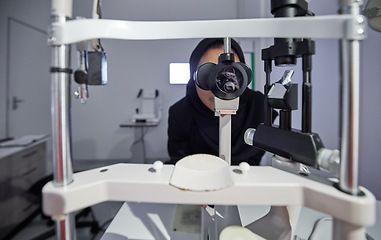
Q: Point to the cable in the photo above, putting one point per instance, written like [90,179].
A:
[317,225]
[97,13]
[324,219]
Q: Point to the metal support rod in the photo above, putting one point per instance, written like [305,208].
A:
[307,94]
[61,117]
[227,45]
[224,109]
[349,118]
[225,137]
[285,119]
[65,228]
[60,110]
[268,109]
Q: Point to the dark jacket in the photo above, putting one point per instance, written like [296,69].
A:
[193,128]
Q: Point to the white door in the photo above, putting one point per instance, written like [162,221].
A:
[29,80]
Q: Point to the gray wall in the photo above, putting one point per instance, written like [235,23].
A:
[133,65]
[34,13]
[138,64]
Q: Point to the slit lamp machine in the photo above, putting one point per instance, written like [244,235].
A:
[284,187]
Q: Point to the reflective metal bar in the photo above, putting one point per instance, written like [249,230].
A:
[227,45]
[60,110]
[65,228]
[225,138]
[285,119]
[268,109]
[307,95]
[349,118]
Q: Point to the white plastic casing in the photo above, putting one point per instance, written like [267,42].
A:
[201,172]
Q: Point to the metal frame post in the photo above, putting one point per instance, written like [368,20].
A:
[225,137]
[60,110]
[350,98]
[349,120]
[307,94]
[227,45]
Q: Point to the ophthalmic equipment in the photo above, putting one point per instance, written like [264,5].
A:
[351,206]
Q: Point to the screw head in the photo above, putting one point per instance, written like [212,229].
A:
[360,31]
[360,19]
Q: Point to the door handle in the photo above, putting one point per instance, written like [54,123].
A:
[15,102]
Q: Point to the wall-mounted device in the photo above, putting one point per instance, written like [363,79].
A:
[149,109]
[92,68]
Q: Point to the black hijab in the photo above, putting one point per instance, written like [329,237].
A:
[193,127]
[209,43]
[197,54]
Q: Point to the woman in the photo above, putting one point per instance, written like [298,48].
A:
[192,125]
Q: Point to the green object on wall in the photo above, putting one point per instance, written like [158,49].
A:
[253,72]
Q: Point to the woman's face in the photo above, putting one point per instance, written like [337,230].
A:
[207,97]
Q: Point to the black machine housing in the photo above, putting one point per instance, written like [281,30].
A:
[298,145]
[227,79]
